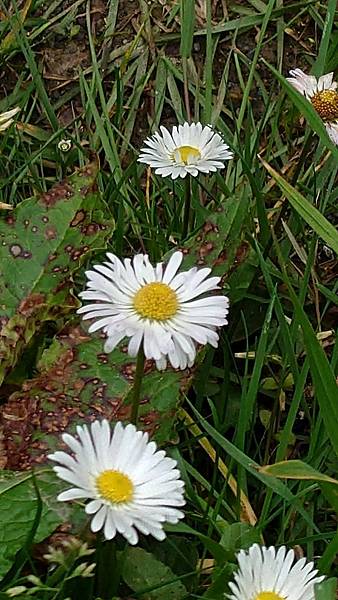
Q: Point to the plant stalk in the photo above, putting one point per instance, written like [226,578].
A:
[187,202]
[137,386]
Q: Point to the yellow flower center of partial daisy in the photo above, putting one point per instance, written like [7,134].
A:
[326,104]
[156,301]
[268,596]
[186,155]
[114,486]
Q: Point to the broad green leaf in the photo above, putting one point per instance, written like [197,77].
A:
[239,536]
[326,590]
[307,211]
[150,578]
[77,380]
[18,506]
[219,586]
[42,243]
[177,552]
[180,554]
[296,469]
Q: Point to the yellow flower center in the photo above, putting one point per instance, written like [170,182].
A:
[186,155]
[326,104]
[114,486]
[268,596]
[156,301]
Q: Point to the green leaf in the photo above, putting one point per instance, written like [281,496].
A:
[307,211]
[326,590]
[180,554]
[18,507]
[150,578]
[239,536]
[43,241]
[219,585]
[78,381]
[296,469]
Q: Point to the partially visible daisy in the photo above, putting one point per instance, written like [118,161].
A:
[6,118]
[158,307]
[265,574]
[323,95]
[130,484]
[64,145]
[188,149]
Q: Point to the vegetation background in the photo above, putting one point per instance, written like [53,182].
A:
[105,74]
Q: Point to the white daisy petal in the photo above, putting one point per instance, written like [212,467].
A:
[332,131]
[172,267]
[130,484]
[99,519]
[162,309]
[72,494]
[6,118]
[265,574]
[188,149]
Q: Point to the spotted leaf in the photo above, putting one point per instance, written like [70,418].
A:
[42,243]
[78,382]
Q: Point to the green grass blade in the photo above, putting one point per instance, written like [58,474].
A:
[187,27]
[319,66]
[307,211]
[296,469]
[322,375]
[251,466]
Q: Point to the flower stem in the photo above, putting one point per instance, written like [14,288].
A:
[187,199]
[137,386]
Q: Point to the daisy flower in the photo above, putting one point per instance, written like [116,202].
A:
[130,484]
[6,118]
[188,149]
[323,95]
[165,310]
[265,574]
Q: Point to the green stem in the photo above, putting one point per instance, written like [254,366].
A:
[107,571]
[137,386]
[187,199]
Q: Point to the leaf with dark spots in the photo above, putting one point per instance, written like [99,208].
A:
[78,382]
[42,243]
[217,243]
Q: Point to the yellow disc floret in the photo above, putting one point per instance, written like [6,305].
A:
[326,104]
[156,301]
[188,155]
[114,486]
[268,596]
